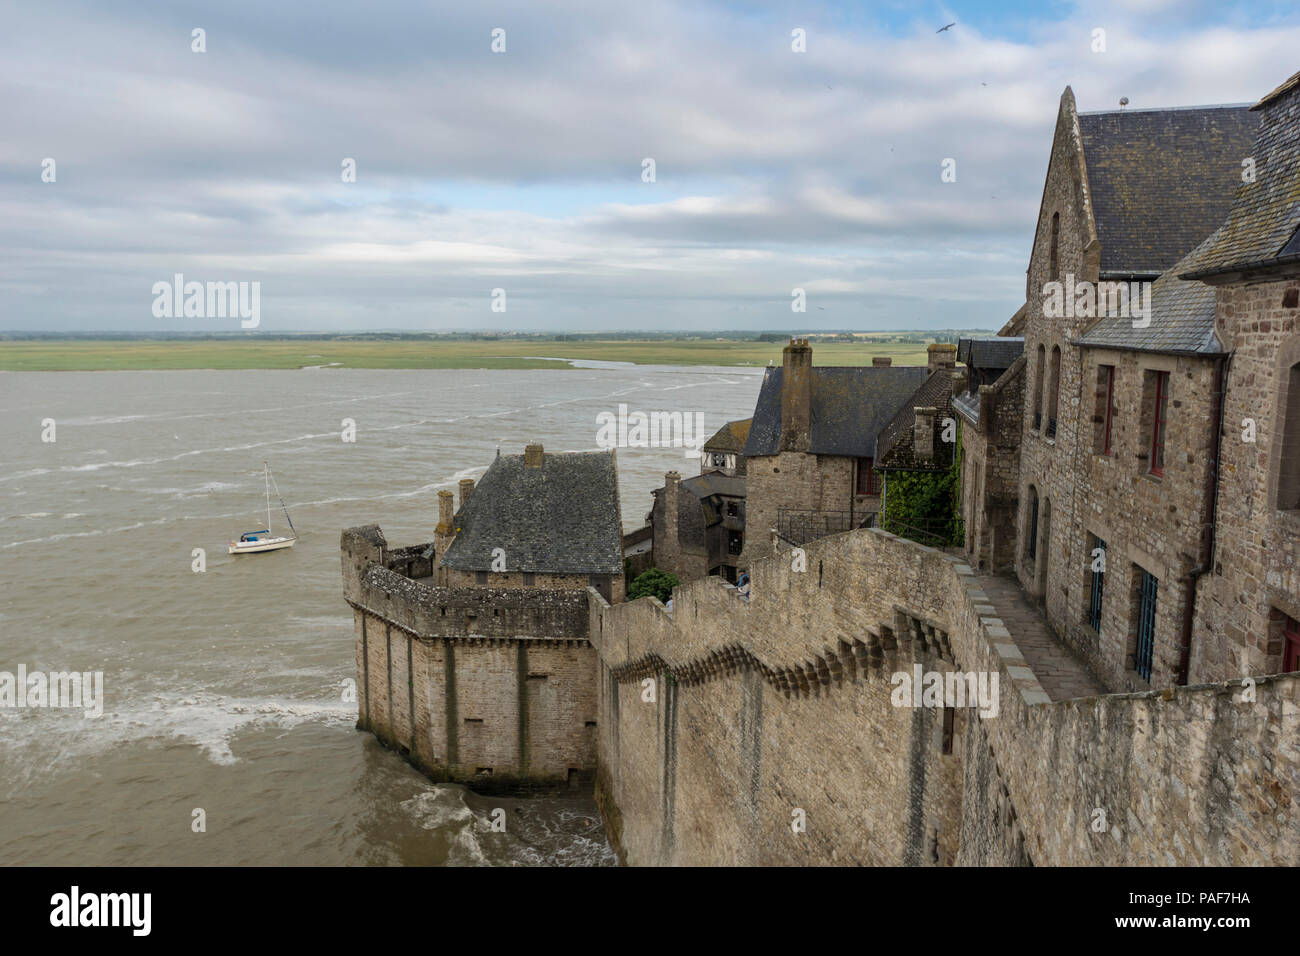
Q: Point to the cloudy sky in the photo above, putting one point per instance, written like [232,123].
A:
[523,170]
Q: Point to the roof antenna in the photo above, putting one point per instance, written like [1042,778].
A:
[1123,102]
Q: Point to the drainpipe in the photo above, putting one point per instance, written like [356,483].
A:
[1206,558]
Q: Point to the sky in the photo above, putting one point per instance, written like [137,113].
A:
[775,169]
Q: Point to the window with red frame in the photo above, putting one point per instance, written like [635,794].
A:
[1158,424]
[868,477]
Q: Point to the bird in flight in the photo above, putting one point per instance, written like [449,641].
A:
[948,27]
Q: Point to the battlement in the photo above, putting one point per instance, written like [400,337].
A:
[493,687]
[788,697]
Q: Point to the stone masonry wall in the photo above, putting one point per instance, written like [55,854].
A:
[493,687]
[795,480]
[782,703]
[1256,573]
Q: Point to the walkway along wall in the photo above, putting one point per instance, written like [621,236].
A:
[726,723]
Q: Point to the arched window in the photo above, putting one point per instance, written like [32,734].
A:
[1288,469]
[1038,388]
[1031,526]
[1054,391]
[1054,259]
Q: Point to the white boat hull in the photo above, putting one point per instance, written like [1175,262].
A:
[265,544]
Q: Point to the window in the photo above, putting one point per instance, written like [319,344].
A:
[1031,549]
[1038,388]
[1055,393]
[1291,646]
[1148,586]
[530,578]
[735,542]
[1158,423]
[1104,418]
[1097,575]
[1053,255]
[868,477]
[1288,475]
[949,713]
[480,577]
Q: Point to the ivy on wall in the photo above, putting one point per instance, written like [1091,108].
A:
[925,506]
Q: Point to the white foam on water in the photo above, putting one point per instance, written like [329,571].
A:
[208,721]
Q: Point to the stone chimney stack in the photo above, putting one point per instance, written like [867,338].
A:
[987,406]
[923,432]
[672,480]
[941,355]
[533,456]
[466,491]
[445,513]
[796,396]
[881,361]
[443,535]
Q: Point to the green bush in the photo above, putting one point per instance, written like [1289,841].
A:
[926,506]
[654,582]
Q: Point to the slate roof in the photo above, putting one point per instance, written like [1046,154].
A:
[562,518]
[1261,228]
[896,448]
[1182,319]
[1162,180]
[702,486]
[850,405]
[990,353]
[730,437]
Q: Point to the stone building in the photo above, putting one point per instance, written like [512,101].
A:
[1142,710]
[1248,598]
[725,451]
[1119,457]
[490,686]
[811,449]
[536,520]
[699,525]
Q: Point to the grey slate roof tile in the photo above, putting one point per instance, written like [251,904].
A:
[896,448]
[1182,320]
[1263,221]
[850,405]
[1162,180]
[562,518]
[991,353]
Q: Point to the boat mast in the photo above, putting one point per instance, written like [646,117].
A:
[267,475]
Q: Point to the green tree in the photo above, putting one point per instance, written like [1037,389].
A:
[654,582]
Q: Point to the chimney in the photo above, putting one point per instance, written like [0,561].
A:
[923,432]
[796,396]
[533,456]
[445,516]
[941,355]
[881,361]
[443,536]
[466,490]
[986,409]
[671,480]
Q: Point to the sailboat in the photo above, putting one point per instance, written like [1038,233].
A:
[252,542]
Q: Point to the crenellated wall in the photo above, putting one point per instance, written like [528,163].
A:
[765,707]
[494,687]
